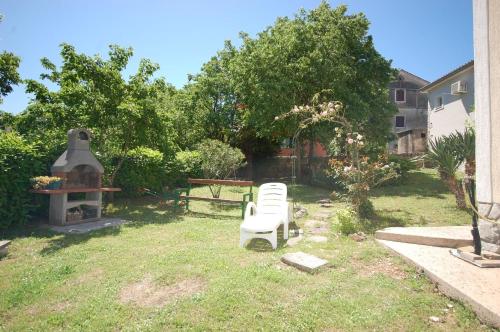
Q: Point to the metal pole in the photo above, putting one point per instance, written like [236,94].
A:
[470,185]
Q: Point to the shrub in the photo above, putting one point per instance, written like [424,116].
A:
[19,162]
[402,166]
[347,221]
[359,174]
[142,168]
[441,153]
[218,159]
[187,164]
[464,147]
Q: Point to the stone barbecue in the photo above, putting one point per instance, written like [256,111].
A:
[80,197]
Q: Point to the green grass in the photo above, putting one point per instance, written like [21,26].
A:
[73,282]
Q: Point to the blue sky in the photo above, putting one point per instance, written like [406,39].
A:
[426,37]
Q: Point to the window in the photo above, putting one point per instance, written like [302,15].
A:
[439,102]
[400,121]
[422,135]
[400,95]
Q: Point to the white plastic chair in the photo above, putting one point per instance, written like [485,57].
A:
[263,220]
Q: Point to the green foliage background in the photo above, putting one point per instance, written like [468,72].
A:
[19,161]
[141,125]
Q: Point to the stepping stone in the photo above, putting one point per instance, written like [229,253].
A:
[324,201]
[326,205]
[314,223]
[317,239]
[4,247]
[322,215]
[293,241]
[319,230]
[305,262]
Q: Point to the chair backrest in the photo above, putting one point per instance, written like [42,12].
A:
[271,198]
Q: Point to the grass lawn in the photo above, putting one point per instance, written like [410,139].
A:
[166,271]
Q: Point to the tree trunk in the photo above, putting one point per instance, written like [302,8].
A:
[249,157]
[457,190]
[298,153]
[470,167]
[111,195]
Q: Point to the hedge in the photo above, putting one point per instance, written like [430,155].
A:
[19,162]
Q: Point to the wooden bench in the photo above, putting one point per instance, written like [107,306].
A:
[184,194]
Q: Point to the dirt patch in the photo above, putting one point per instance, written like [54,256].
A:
[383,266]
[35,310]
[61,306]
[96,274]
[146,293]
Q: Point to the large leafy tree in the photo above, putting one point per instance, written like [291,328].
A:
[320,50]
[92,93]
[9,76]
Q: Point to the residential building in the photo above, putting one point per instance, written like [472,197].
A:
[409,125]
[451,101]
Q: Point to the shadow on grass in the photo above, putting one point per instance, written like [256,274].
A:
[383,219]
[138,212]
[62,241]
[144,211]
[262,245]
[307,194]
[419,184]
[206,215]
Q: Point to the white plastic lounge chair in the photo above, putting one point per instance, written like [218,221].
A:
[262,220]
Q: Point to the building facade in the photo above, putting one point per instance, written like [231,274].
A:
[451,102]
[409,125]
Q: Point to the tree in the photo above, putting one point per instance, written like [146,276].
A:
[93,94]
[321,50]
[218,161]
[9,63]
[241,90]
[464,147]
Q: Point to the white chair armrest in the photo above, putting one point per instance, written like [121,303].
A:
[250,210]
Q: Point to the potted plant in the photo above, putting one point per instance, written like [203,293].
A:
[46,182]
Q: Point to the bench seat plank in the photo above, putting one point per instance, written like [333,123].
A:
[222,182]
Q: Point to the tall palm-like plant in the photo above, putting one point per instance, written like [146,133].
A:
[441,154]
[464,147]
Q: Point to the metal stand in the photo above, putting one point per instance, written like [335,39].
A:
[470,186]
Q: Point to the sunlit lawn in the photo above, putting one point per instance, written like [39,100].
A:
[77,282]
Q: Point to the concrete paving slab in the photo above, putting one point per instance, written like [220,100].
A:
[293,241]
[88,226]
[480,288]
[448,236]
[317,239]
[4,247]
[304,262]
[321,215]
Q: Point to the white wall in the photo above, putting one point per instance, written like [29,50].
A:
[457,110]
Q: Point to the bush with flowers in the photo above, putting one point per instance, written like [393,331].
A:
[355,170]
[359,173]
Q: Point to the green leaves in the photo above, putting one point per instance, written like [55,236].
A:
[219,160]
[463,146]
[18,163]
[9,63]
[289,62]
[441,154]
